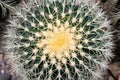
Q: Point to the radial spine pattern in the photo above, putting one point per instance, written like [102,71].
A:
[59,40]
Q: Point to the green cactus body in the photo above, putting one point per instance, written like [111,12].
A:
[59,40]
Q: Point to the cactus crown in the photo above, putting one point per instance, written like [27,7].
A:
[59,40]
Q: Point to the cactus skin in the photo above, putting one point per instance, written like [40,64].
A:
[59,40]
